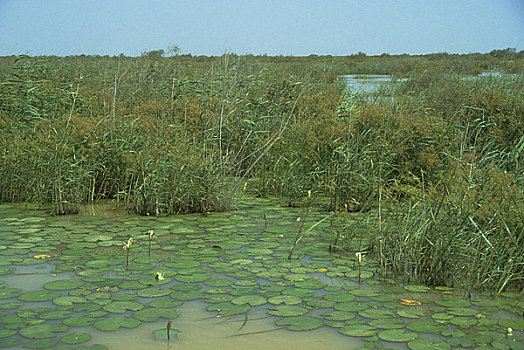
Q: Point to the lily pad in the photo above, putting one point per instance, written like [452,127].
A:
[427,344]
[287,310]
[397,335]
[42,331]
[73,338]
[286,299]
[253,300]
[38,295]
[7,293]
[194,278]
[300,323]
[79,321]
[114,323]
[121,307]
[359,330]
[426,326]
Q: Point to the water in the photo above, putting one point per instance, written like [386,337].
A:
[369,83]
[223,261]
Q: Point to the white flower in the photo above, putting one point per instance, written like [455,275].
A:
[128,244]
[151,233]
[159,276]
[359,256]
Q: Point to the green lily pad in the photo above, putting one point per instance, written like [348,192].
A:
[453,302]
[183,264]
[79,321]
[427,344]
[41,344]
[350,306]
[194,278]
[73,338]
[114,323]
[287,310]
[68,300]
[42,331]
[397,335]
[38,295]
[338,315]
[253,300]
[388,323]
[286,299]
[358,330]
[121,307]
[300,323]
[7,293]
[339,297]
[514,324]
[55,315]
[426,326]
[63,285]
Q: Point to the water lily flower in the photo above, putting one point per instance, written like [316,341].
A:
[127,245]
[510,332]
[359,256]
[159,276]
[151,233]
[309,194]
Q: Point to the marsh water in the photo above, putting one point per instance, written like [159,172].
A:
[223,281]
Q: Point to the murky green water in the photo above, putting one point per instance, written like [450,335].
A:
[225,283]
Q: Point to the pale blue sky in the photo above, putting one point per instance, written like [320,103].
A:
[273,27]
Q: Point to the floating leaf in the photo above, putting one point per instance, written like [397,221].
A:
[426,326]
[359,330]
[253,300]
[121,307]
[115,322]
[73,338]
[410,302]
[153,292]
[194,278]
[397,335]
[287,310]
[417,288]
[427,344]
[38,295]
[42,331]
[7,293]
[286,299]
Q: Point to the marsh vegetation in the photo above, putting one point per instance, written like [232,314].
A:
[427,177]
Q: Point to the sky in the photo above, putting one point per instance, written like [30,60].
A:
[272,27]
